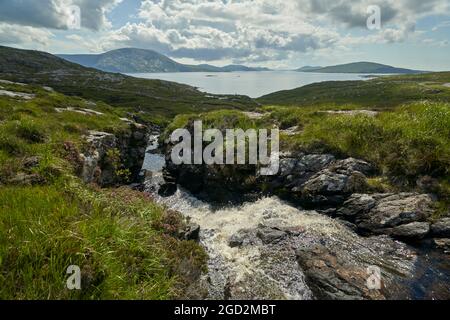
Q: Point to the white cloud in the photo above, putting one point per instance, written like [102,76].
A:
[207,30]
[56,14]
[265,30]
[269,31]
[25,36]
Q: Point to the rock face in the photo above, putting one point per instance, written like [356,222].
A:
[335,187]
[335,264]
[312,180]
[413,230]
[24,179]
[331,277]
[106,154]
[270,235]
[99,143]
[441,228]
[443,244]
[345,272]
[397,214]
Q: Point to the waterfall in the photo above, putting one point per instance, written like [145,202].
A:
[258,270]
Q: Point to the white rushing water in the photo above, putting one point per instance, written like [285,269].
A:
[218,225]
[258,270]
[242,264]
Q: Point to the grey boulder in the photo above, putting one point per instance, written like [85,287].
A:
[412,231]
[441,228]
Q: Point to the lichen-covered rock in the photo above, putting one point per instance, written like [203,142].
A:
[410,231]
[343,271]
[334,278]
[394,210]
[328,188]
[106,155]
[350,165]
[287,165]
[328,182]
[314,162]
[443,244]
[441,228]
[98,145]
[241,238]
[357,204]
[270,235]
[24,179]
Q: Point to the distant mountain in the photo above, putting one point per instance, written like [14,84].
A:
[132,60]
[308,69]
[229,68]
[360,67]
[155,99]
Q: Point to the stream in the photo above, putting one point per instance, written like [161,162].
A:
[267,233]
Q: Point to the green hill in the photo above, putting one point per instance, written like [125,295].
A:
[360,67]
[132,60]
[378,93]
[308,69]
[151,98]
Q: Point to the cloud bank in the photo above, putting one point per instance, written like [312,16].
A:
[237,30]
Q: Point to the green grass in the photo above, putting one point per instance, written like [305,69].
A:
[379,93]
[410,141]
[153,101]
[113,235]
[220,119]
[126,245]
[409,138]
[35,128]
[405,143]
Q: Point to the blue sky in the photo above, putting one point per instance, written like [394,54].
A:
[280,34]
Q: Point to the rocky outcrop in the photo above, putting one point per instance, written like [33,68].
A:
[312,180]
[410,231]
[27,175]
[24,179]
[441,228]
[98,144]
[332,277]
[336,187]
[17,95]
[401,215]
[270,235]
[110,159]
[348,272]
[334,263]
[443,244]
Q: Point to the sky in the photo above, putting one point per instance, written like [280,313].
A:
[279,34]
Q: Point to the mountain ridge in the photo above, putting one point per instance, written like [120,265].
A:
[360,67]
[135,60]
[157,99]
